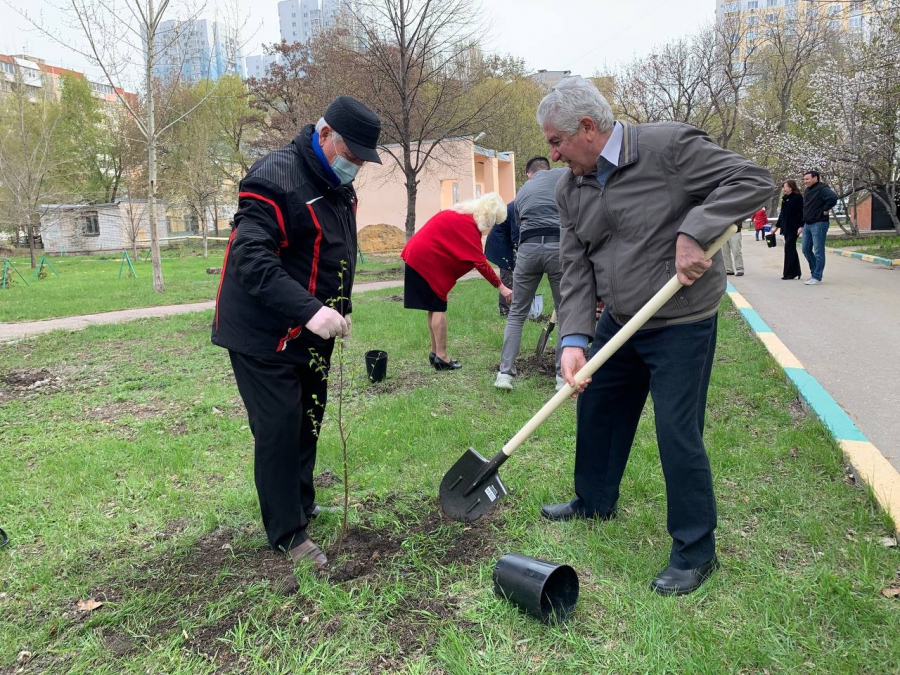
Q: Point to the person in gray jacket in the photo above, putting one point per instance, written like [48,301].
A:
[639,204]
[538,254]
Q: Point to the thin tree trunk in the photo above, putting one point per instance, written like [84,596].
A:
[203,230]
[158,284]
[31,251]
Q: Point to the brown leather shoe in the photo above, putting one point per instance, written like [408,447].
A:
[308,551]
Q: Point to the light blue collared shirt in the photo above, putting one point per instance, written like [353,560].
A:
[610,153]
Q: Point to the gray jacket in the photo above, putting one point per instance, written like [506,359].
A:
[617,242]
[536,211]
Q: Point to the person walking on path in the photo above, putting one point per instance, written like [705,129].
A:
[538,254]
[622,239]
[733,253]
[790,223]
[760,220]
[499,248]
[818,200]
[283,298]
[447,247]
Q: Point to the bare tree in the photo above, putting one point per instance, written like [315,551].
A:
[30,159]
[123,35]
[416,62]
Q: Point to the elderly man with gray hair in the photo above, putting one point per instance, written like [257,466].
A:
[639,204]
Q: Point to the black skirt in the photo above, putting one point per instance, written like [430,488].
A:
[417,294]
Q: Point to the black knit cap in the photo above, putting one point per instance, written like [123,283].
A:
[357,125]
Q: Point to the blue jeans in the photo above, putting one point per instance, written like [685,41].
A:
[814,247]
[673,365]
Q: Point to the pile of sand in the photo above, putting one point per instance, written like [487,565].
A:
[381,237]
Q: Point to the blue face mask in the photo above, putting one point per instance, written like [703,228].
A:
[344,169]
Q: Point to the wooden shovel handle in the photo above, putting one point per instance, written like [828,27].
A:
[633,326]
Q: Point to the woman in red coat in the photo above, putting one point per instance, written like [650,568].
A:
[759,223]
[447,247]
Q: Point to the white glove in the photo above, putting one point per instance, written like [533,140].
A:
[327,324]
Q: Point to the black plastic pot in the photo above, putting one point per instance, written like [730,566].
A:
[543,589]
[376,365]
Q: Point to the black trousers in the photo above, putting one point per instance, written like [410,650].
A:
[672,364]
[791,259]
[285,403]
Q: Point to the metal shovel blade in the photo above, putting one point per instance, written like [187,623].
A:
[471,487]
[545,335]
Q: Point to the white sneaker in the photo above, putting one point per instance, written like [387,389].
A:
[503,382]
[812,281]
[560,383]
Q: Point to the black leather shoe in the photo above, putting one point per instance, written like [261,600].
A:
[568,512]
[431,358]
[730,274]
[440,364]
[672,581]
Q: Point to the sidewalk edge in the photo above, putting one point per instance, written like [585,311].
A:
[865,257]
[868,463]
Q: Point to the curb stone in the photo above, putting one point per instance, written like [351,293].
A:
[867,462]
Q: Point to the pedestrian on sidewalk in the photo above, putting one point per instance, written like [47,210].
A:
[622,238]
[284,297]
[499,248]
[759,224]
[818,200]
[790,223]
[538,254]
[447,247]
[733,254]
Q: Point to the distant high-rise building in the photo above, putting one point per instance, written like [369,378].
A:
[300,20]
[762,17]
[41,79]
[258,65]
[196,50]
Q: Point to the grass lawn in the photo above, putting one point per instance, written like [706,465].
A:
[887,246]
[89,284]
[127,467]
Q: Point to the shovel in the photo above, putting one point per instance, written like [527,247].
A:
[545,334]
[472,486]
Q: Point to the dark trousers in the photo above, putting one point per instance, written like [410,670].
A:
[791,259]
[506,277]
[285,403]
[672,364]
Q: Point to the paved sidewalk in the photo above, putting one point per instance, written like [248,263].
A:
[845,332]
[9,332]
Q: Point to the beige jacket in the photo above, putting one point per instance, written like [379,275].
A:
[617,242]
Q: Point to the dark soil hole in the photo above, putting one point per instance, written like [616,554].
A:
[528,363]
[370,550]
[326,479]
[28,383]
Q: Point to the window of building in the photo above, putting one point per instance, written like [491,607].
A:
[89,224]
[790,15]
[752,20]
[856,22]
[773,3]
[190,223]
[771,18]
[8,67]
[834,9]
[791,2]
[752,4]
[751,35]
[732,7]
[834,25]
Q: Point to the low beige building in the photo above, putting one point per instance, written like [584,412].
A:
[457,170]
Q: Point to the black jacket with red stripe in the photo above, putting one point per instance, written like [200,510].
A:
[293,232]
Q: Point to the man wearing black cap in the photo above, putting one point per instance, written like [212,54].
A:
[284,296]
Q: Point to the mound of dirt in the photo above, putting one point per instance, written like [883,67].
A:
[381,237]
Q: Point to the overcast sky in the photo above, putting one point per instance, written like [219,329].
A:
[583,36]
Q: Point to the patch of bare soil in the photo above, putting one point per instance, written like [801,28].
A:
[394,298]
[326,479]
[381,237]
[368,550]
[27,383]
[527,363]
[379,275]
[207,571]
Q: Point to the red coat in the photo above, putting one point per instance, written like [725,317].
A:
[447,247]
[759,219]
